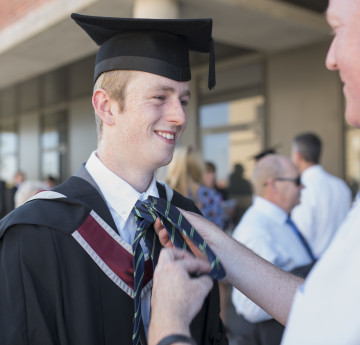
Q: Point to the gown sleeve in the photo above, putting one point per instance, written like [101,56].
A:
[29,288]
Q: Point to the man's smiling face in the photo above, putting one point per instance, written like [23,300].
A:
[153,120]
[343,17]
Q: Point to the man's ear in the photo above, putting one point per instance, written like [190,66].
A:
[298,157]
[103,106]
[270,184]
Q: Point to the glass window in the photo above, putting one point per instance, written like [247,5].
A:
[232,132]
[53,145]
[9,141]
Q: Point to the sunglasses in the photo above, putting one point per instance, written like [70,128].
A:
[296,180]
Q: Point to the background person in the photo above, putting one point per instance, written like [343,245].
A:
[27,190]
[266,229]
[2,198]
[11,190]
[325,200]
[185,175]
[239,189]
[210,180]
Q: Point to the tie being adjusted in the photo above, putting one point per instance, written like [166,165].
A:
[301,238]
[180,233]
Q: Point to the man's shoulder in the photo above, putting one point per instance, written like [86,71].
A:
[48,209]
[253,223]
[325,179]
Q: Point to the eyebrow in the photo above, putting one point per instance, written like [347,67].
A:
[186,93]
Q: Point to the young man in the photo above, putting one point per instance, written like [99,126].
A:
[67,272]
[325,309]
[325,200]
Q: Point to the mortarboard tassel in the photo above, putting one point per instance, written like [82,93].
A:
[211,77]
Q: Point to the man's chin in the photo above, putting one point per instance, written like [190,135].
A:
[165,161]
[352,114]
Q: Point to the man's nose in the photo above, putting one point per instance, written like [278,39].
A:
[330,57]
[176,113]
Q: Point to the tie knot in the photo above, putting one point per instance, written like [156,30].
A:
[290,221]
[179,230]
[144,213]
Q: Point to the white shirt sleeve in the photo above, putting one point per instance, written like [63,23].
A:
[243,305]
[263,229]
[326,308]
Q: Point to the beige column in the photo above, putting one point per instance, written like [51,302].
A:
[160,9]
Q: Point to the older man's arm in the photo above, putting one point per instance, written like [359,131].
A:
[265,284]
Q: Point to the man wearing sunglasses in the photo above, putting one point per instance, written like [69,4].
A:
[266,229]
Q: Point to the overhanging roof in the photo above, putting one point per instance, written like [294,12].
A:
[48,38]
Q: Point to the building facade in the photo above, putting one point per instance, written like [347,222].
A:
[271,83]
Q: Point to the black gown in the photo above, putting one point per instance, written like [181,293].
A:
[52,292]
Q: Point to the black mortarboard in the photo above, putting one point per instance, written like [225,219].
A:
[159,46]
[265,152]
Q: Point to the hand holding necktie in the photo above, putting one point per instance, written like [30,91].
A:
[180,232]
[172,286]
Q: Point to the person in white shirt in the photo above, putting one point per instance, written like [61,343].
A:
[325,200]
[264,228]
[323,309]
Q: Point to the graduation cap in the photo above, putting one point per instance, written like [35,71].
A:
[265,152]
[159,46]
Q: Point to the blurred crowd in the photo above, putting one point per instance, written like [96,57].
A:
[287,212]
[16,192]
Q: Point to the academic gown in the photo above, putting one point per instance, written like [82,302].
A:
[52,292]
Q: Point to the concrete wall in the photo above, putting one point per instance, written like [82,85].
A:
[302,95]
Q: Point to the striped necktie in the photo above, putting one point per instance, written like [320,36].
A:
[301,238]
[180,233]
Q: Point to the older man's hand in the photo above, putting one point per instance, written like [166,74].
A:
[176,296]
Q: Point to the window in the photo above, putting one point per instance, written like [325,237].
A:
[232,132]
[9,142]
[53,145]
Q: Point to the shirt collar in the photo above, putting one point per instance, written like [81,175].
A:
[271,210]
[119,195]
[310,171]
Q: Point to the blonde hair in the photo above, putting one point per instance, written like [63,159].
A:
[114,83]
[185,172]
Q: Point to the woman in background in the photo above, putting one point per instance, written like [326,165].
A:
[185,174]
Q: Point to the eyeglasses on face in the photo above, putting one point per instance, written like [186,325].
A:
[296,180]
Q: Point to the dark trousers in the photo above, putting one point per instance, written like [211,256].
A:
[261,333]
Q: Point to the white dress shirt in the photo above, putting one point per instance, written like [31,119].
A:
[326,308]
[325,202]
[120,197]
[264,230]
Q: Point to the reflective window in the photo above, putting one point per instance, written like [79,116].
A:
[9,141]
[53,145]
[232,132]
